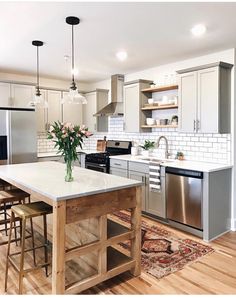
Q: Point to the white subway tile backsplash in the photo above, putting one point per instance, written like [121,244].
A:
[201,147]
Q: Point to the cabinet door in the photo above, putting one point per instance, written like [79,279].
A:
[155,203]
[72,112]
[131,108]
[208,100]
[89,110]
[141,177]
[54,106]
[119,172]
[5,94]
[41,115]
[187,102]
[22,95]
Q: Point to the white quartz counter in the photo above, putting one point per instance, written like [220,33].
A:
[54,153]
[47,178]
[183,164]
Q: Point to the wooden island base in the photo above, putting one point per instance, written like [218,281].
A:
[86,239]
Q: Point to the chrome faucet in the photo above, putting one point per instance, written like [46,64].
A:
[167,154]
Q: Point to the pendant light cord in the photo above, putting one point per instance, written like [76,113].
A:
[37,66]
[73,62]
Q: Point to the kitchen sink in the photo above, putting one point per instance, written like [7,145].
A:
[154,159]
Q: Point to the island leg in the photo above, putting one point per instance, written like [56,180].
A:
[58,251]
[136,226]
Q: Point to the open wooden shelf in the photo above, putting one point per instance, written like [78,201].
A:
[114,229]
[115,258]
[160,89]
[160,126]
[159,107]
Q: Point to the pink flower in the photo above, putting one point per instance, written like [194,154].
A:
[88,133]
[64,135]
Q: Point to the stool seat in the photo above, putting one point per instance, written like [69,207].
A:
[32,209]
[12,195]
[4,183]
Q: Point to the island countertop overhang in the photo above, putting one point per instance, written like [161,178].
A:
[47,179]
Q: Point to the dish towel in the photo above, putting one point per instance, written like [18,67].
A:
[154,177]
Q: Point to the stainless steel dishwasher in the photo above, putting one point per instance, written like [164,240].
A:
[184,196]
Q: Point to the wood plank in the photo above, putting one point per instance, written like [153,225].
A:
[160,89]
[136,226]
[58,255]
[158,107]
[99,204]
[102,257]
[160,126]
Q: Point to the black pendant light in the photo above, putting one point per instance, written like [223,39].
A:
[74,96]
[38,99]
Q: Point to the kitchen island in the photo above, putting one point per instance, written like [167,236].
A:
[91,195]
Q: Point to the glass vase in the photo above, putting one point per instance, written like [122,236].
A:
[69,177]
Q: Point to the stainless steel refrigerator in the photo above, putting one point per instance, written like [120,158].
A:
[18,136]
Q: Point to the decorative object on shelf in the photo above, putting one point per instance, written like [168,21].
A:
[67,138]
[152,85]
[180,155]
[74,97]
[38,99]
[147,147]
[174,120]
[150,121]
[163,121]
[150,101]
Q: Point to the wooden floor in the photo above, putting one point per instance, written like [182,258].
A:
[212,274]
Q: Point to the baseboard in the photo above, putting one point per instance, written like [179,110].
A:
[233,224]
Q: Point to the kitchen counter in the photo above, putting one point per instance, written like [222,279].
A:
[92,196]
[47,178]
[54,153]
[183,164]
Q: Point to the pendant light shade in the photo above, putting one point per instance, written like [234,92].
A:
[74,97]
[38,99]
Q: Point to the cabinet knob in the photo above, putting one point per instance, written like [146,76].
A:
[194,125]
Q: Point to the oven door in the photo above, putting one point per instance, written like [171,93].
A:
[96,167]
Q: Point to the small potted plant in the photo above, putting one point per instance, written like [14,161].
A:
[174,120]
[147,147]
[180,155]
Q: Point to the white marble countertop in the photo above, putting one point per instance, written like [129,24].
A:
[47,178]
[183,164]
[54,153]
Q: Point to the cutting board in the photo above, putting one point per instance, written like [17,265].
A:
[101,145]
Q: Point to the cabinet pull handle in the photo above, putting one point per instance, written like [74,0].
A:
[194,125]
[117,164]
[95,126]
[198,125]
[143,179]
[123,125]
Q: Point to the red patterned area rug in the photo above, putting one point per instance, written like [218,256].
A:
[162,251]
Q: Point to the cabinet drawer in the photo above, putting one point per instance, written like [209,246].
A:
[119,172]
[139,167]
[121,164]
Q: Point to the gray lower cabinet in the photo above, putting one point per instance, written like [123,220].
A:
[119,172]
[145,188]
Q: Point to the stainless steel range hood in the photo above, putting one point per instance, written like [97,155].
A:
[115,107]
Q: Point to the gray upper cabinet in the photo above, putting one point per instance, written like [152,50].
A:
[204,98]
[96,100]
[21,95]
[72,112]
[5,91]
[134,100]
[54,106]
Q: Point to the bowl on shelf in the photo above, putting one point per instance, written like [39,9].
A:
[150,121]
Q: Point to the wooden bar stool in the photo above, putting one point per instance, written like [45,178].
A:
[4,185]
[24,212]
[7,199]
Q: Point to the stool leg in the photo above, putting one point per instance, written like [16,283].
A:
[5,217]
[22,255]
[46,242]
[32,238]
[8,248]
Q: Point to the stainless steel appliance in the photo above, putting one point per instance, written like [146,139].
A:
[184,196]
[100,161]
[18,137]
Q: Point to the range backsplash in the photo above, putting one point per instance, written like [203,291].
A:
[198,147]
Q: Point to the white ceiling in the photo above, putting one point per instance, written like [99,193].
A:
[152,33]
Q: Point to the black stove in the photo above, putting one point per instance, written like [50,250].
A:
[100,161]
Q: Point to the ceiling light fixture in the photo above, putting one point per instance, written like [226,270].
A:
[38,99]
[198,30]
[122,55]
[74,96]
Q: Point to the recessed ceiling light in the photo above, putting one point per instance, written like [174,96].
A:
[122,55]
[198,30]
